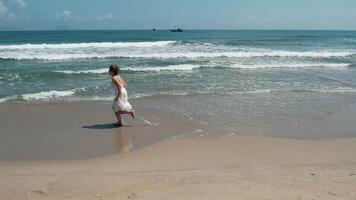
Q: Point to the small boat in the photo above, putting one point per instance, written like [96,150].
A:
[153,29]
[176,30]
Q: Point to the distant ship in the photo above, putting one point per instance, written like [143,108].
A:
[176,30]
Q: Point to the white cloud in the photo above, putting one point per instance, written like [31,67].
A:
[6,14]
[3,10]
[19,3]
[64,15]
[107,16]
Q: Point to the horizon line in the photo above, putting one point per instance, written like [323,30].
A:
[167,29]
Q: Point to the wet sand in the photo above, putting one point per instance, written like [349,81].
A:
[67,131]
[153,162]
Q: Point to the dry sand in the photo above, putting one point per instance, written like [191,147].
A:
[236,167]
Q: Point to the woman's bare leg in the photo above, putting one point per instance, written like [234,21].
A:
[118,116]
[132,113]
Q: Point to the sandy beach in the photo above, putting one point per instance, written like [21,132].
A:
[153,162]
[177,100]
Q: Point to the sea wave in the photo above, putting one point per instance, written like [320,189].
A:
[7,98]
[44,95]
[257,91]
[47,95]
[85,45]
[245,54]
[291,65]
[69,94]
[189,67]
[171,55]
[89,71]
[182,67]
[163,93]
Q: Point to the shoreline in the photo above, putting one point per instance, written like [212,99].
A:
[83,130]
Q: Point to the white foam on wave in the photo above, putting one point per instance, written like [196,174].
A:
[52,95]
[291,65]
[8,98]
[169,55]
[335,90]
[189,67]
[165,93]
[182,67]
[257,91]
[86,45]
[244,54]
[47,95]
[331,90]
[89,71]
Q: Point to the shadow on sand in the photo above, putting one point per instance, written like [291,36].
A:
[102,126]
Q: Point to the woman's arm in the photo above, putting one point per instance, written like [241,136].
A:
[124,83]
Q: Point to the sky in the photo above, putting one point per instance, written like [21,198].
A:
[189,14]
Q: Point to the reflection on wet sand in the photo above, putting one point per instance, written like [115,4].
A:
[123,141]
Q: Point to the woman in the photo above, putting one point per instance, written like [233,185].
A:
[121,104]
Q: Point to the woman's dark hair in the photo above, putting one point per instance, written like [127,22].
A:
[114,69]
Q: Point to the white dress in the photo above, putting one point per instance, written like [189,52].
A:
[121,104]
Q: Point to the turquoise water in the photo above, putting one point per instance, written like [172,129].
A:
[250,76]
[72,65]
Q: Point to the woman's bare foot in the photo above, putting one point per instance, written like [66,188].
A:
[133,114]
[118,124]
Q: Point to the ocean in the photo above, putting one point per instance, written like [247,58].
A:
[242,80]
